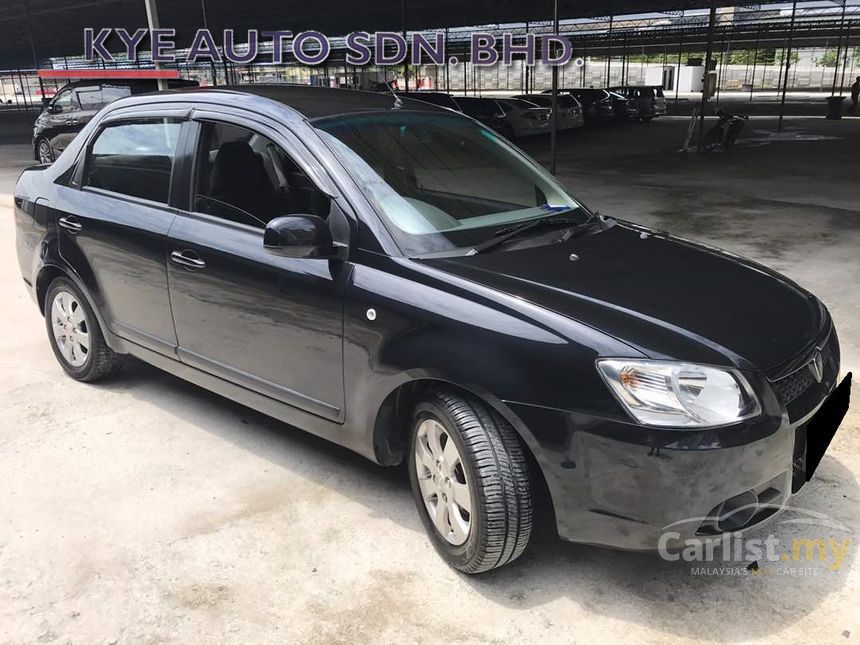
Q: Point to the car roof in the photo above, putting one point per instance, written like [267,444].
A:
[130,82]
[308,101]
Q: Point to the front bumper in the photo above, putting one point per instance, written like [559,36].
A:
[624,486]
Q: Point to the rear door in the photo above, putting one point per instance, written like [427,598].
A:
[269,323]
[90,101]
[113,226]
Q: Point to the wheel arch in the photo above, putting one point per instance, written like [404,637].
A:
[50,272]
[392,424]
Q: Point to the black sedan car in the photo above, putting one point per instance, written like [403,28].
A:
[71,108]
[487,111]
[397,278]
[441,99]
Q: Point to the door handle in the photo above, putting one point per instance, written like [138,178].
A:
[71,224]
[72,122]
[188,260]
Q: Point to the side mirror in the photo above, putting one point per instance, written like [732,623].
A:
[53,108]
[300,236]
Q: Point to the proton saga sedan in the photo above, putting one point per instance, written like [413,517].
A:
[399,279]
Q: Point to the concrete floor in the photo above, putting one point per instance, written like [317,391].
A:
[148,510]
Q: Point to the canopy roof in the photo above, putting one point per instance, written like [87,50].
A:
[57,26]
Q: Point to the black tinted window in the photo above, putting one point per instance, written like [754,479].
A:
[478,107]
[134,159]
[244,177]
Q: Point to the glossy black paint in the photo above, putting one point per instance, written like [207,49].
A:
[520,327]
[299,236]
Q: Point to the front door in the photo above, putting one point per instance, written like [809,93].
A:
[60,120]
[269,323]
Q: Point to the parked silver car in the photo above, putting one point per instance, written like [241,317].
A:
[524,118]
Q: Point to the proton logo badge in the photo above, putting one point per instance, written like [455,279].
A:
[817,366]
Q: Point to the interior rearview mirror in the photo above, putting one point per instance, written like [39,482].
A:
[300,236]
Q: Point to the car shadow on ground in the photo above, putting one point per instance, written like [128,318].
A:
[639,588]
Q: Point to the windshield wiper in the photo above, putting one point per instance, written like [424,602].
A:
[508,233]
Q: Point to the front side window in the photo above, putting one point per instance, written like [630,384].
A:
[440,181]
[244,177]
[134,158]
[63,101]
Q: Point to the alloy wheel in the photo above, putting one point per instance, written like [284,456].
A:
[46,155]
[442,480]
[71,328]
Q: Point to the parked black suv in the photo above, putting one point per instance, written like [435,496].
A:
[397,278]
[649,98]
[66,114]
[597,104]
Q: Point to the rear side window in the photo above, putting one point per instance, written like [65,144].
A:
[111,93]
[90,97]
[134,158]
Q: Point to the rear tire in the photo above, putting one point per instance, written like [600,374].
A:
[45,152]
[75,335]
[477,489]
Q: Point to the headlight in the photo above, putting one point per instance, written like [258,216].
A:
[680,395]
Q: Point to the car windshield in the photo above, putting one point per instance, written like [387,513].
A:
[441,182]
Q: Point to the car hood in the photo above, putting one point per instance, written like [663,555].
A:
[662,295]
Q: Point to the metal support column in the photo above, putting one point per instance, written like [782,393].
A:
[213,70]
[609,52]
[678,74]
[405,60]
[584,63]
[839,48]
[712,21]
[152,20]
[755,61]
[525,64]
[447,65]
[787,64]
[554,104]
[33,52]
[845,59]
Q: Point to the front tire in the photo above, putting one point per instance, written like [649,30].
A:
[75,336]
[471,483]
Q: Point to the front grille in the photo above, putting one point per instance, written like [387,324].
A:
[792,386]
